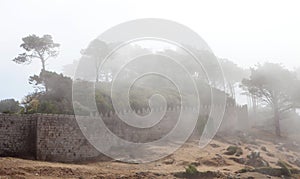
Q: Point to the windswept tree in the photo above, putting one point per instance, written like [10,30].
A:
[233,74]
[273,85]
[41,48]
[96,52]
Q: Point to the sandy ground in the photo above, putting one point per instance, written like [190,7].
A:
[211,161]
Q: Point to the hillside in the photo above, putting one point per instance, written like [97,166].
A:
[249,156]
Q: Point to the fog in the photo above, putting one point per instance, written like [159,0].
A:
[195,89]
[245,33]
[233,41]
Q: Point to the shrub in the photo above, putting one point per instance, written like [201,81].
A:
[231,150]
[191,170]
[284,168]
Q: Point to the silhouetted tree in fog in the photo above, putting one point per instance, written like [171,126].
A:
[41,48]
[96,51]
[35,47]
[233,74]
[275,86]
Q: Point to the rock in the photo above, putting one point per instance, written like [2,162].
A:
[248,148]
[255,160]
[259,162]
[270,154]
[239,152]
[239,160]
[263,148]
[269,171]
[231,150]
[297,162]
[219,160]
[214,145]
[254,154]
[196,164]
[219,155]
[239,143]
[169,161]
[246,169]
[281,147]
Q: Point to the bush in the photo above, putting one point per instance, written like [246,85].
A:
[231,150]
[191,170]
[239,151]
[284,168]
[9,106]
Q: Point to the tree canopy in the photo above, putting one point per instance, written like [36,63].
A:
[274,86]
[9,106]
[36,47]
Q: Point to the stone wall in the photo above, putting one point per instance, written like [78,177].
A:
[17,135]
[59,138]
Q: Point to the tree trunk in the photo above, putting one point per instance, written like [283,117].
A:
[277,120]
[43,71]
[97,77]
[277,126]
[43,65]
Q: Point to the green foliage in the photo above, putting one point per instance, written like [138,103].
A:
[32,107]
[58,97]
[285,168]
[9,106]
[35,47]
[239,151]
[233,149]
[96,52]
[191,170]
[274,86]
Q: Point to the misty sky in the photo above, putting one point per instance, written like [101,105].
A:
[246,32]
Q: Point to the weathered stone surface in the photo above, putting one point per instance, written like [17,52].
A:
[58,137]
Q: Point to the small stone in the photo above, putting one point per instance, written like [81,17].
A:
[263,148]
[169,161]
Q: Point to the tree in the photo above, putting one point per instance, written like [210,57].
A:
[273,85]
[59,85]
[35,47]
[96,51]
[9,106]
[233,74]
[58,98]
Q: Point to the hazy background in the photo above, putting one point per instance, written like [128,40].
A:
[246,32]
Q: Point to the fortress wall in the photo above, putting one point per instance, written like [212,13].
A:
[59,138]
[17,135]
